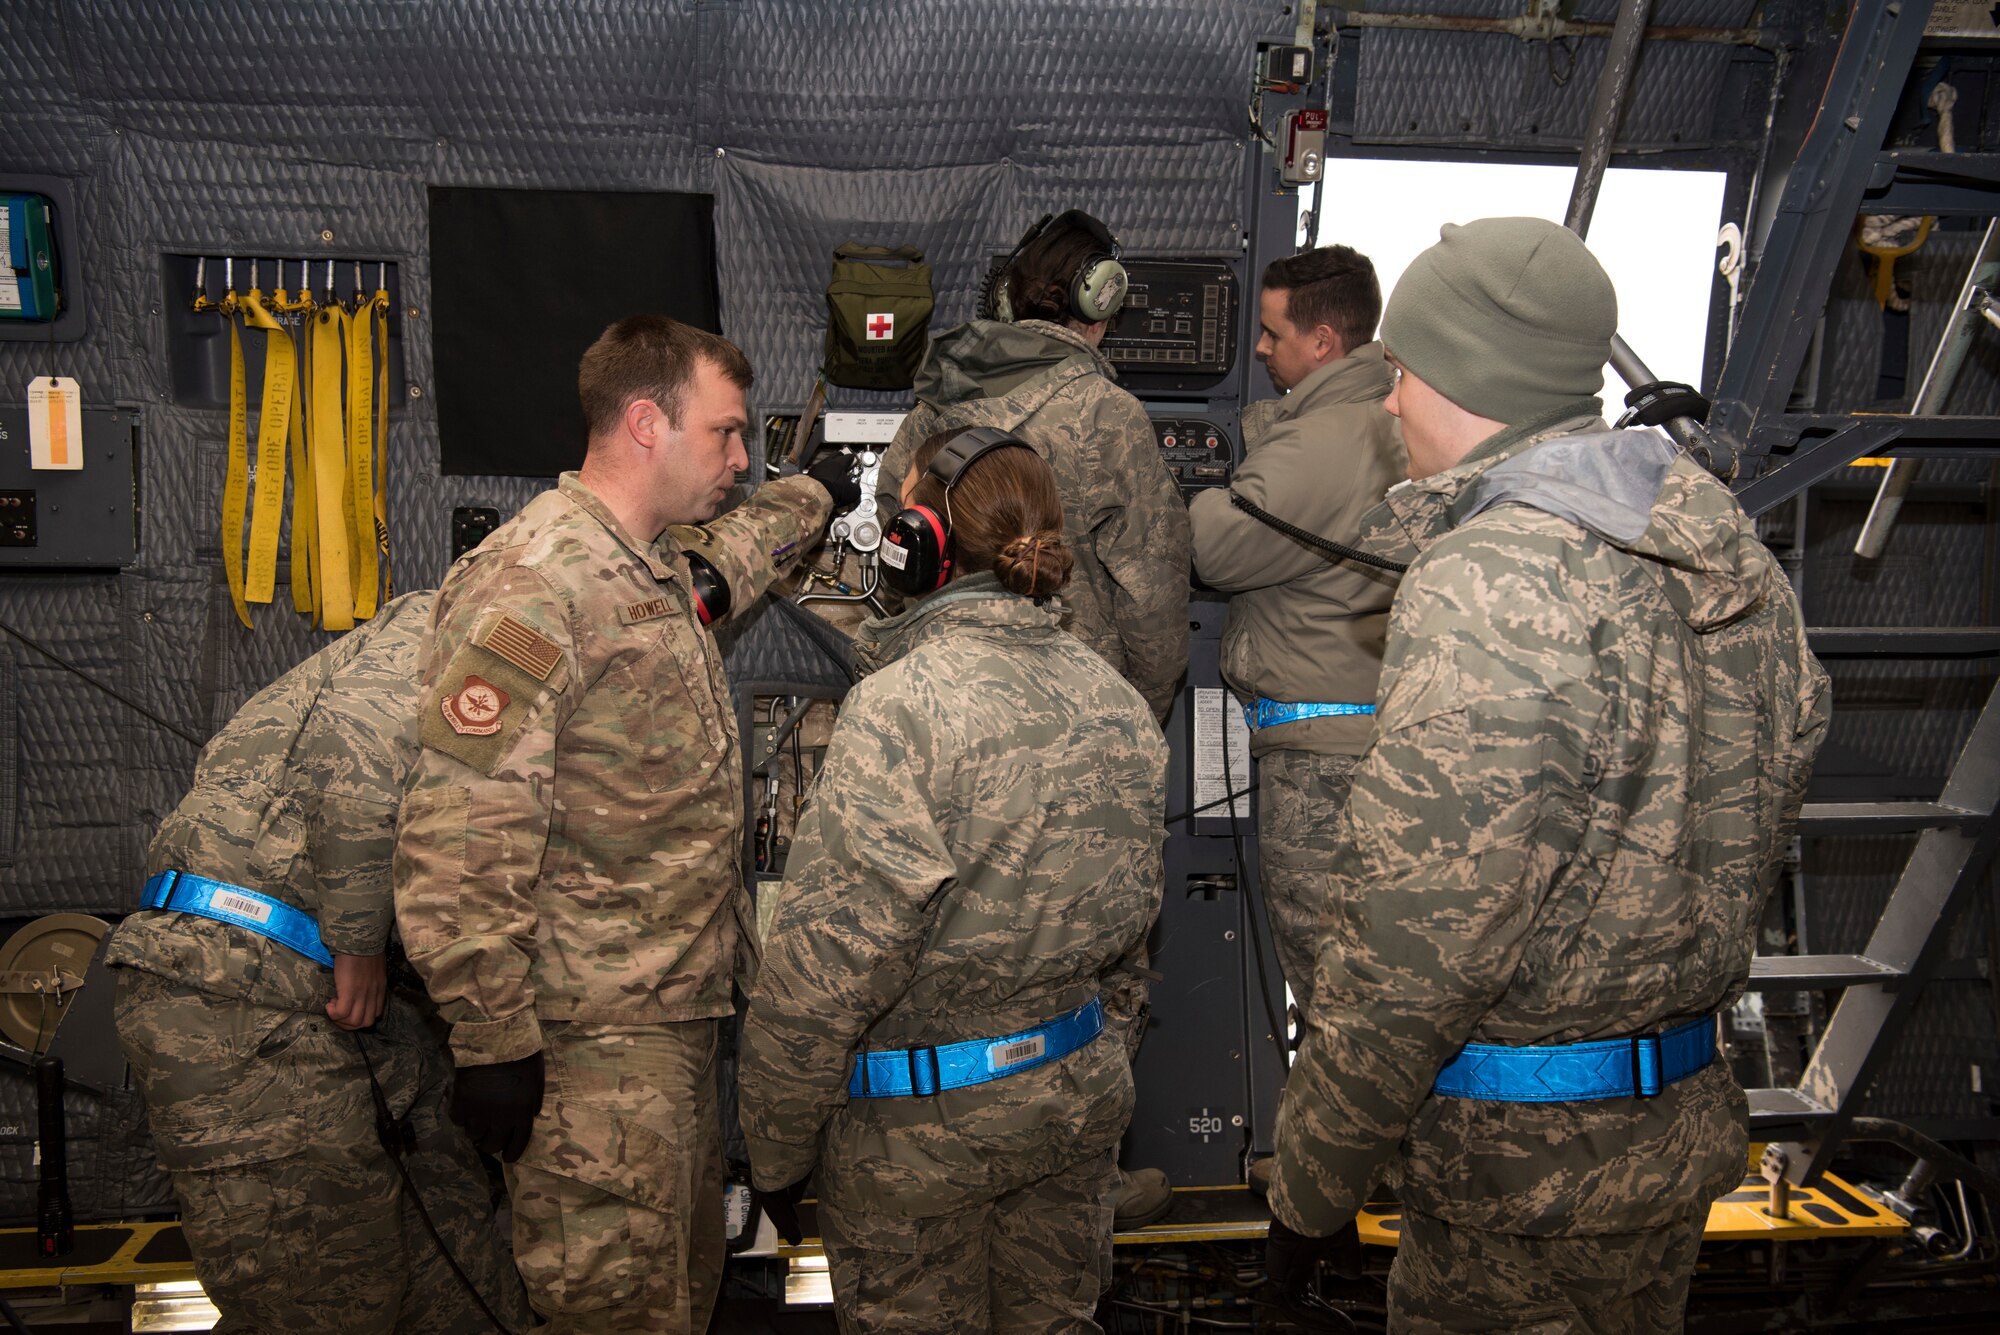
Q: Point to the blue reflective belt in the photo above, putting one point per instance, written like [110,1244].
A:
[882,1075]
[1270,713]
[183,892]
[1618,1068]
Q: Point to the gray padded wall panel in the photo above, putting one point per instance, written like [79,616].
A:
[248,128]
[1431,87]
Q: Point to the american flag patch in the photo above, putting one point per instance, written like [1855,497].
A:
[1003,1055]
[523,646]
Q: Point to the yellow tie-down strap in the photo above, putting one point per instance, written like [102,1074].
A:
[325,406]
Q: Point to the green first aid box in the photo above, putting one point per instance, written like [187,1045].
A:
[28,288]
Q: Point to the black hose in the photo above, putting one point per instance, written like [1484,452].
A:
[1339,551]
[1179,816]
[397,1137]
[14,1322]
[1254,902]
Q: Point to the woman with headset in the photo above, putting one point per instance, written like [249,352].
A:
[979,865]
[1031,366]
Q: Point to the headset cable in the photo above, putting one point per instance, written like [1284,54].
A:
[397,1137]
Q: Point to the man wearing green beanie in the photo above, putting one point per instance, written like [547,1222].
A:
[1596,720]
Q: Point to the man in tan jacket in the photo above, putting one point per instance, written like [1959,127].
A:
[1303,645]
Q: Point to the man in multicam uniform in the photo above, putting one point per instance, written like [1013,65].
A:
[1040,377]
[568,875]
[258,1090]
[1596,722]
[981,857]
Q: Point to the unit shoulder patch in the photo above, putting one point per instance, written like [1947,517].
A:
[477,706]
[474,710]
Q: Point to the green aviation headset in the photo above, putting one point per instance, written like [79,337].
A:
[1096,289]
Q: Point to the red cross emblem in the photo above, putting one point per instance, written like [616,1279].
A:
[881,327]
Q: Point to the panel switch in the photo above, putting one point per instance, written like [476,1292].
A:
[17,519]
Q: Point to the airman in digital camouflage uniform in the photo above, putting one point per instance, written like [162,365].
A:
[1042,379]
[1037,373]
[1596,722]
[979,863]
[568,875]
[257,1089]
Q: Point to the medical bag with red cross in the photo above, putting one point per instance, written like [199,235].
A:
[878,316]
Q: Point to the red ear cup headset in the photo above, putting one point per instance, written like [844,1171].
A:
[707,589]
[916,544]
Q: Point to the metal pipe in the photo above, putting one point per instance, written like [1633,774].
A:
[1607,108]
[1943,1162]
[1544,28]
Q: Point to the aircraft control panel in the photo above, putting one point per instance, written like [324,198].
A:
[1197,451]
[1178,326]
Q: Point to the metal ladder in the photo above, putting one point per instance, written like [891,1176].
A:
[1843,170]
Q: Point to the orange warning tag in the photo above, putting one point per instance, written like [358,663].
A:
[55,423]
[475,710]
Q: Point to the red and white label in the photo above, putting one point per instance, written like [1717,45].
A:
[881,327]
[475,710]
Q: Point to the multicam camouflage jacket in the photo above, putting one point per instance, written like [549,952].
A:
[1597,717]
[1122,511]
[981,854]
[296,799]
[570,837]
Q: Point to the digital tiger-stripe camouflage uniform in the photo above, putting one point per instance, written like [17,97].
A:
[260,1106]
[1596,722]
[568,879]
[1044,384]
[981,855]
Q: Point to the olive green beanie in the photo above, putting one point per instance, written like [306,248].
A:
[1509,318]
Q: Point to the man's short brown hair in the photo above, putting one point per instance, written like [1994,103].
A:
[1333,286]
[649,357]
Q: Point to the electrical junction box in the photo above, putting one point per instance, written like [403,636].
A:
[1286,66]
[70,519]
[1305,146]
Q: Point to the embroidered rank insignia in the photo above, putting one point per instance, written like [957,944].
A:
[646,611]
[476,708]
[523,646]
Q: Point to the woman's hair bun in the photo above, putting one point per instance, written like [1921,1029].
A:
[1034,564]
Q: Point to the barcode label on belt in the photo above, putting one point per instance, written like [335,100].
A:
[1003,1055]
[241,905]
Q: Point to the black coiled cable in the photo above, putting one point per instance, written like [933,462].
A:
[1325,546]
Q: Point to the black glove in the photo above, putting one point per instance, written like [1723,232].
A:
[497,1104]
[835,471]
[1290,1258]
[782,1206]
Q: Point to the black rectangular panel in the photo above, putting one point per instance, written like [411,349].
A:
[61,519]
[523,281]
